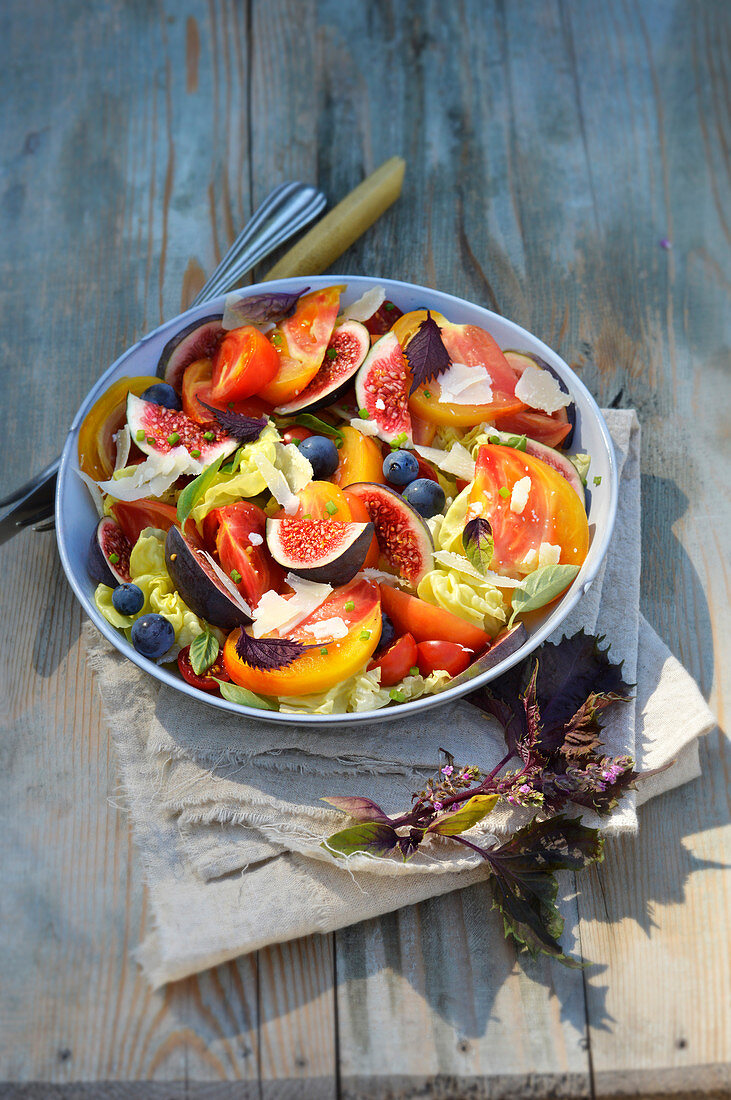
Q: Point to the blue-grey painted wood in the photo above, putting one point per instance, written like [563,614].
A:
[551,147]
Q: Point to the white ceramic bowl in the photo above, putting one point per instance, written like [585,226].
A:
[76,516]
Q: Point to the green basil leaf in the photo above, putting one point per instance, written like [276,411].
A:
[307,420]
[374,837]
[473,810]
[478,543]
[203,652]
[192,493]
[540,587]
[242,696]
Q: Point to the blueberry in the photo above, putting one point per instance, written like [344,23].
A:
[400,467]
[162,394]
[427,497]
[388,633]
[128,599]
[322,454]
[152,636]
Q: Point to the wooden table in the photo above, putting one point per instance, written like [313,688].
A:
[551,147]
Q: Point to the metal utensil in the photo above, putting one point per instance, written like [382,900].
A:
[286,210]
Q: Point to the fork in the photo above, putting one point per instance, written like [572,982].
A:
[286,210]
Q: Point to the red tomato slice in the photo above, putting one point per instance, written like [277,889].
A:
[553,512]
[410,615]
[197,387]
[300,343]
[243,365]
[134,515]
[206,681]
[548,428]
[449,656]
[396,661]
[96,447]
[240,557]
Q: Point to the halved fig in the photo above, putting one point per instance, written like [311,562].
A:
[504,645]
[158,430]
[403,537]
[549,427]
[382,389]
[199,340]
[202,583]
[109,551]
[551,457]
[319,550]
[348,347]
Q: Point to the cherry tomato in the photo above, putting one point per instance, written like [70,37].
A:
[296,434]
[449,656]
[325,663]
[552,513]
[300,344]
[198,386]
[207,680]
[396,661]
[244,364]
[134,515]
[410,615]
[96,446]
[240,557]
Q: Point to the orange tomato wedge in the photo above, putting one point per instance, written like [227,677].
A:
[96,446]
[552,512]
[327,663]
[301,342]
[360,459]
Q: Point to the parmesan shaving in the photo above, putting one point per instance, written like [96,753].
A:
[540,390]
[277,484]
[519,495]
[327,629]
[365,306]
[463,385]
[457,461]
[275,612]
[365,427]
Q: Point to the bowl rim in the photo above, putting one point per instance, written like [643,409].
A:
[69,466]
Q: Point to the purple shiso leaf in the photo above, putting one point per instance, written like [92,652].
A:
[358,807]
[426,354]
[260,309]
[268,653]
[244,428]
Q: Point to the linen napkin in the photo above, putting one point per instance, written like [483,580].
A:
[227,812]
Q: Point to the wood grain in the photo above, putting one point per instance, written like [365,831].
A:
[550,148]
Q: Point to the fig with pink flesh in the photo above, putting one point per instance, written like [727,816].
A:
[198,340]
[109,551]
[319,550]
[403,537]
[202,583]
[382,389]
[348,347]
[157,430]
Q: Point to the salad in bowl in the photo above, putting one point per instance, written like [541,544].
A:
[324,498]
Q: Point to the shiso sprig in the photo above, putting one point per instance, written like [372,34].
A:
[549,708]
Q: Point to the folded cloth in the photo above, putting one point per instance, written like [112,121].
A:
[227,812]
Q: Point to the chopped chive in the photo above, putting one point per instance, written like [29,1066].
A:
[364,414]
[230,404]
[307,515]
[114,558]
[235,576]
[365,635]
[195,453]
[140,434]
[332,353]
[504,492]
[150,439]
[209,436]
[276,338]
[397,696]
[598,479]
[414,671]
[323,651]
[389,306]
[173,438]
[331,507]
[427,393]
[350,605]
